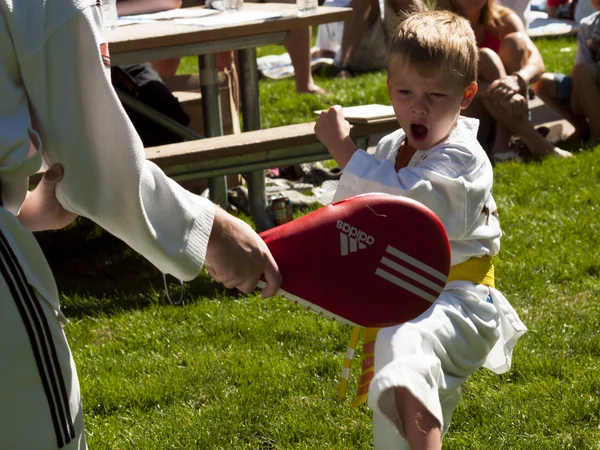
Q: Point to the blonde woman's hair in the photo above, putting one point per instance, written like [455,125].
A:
[431,42]
[492,13]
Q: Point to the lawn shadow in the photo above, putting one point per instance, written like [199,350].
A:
[98,274]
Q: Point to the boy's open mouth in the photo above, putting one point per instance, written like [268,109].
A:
[419,132]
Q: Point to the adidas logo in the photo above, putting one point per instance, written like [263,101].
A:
[352,239]
[415,276]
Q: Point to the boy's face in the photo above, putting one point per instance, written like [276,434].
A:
[427,108]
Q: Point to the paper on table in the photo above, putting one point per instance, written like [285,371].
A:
[173,14]
[230,18]
[365,113]
[122,22]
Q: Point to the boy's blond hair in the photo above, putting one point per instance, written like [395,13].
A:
[434,41]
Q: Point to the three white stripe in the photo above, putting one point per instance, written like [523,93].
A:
[418,279]
[350,245]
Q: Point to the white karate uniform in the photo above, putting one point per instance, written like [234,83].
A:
[55,91]
[469,325]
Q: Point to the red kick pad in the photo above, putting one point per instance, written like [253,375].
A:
[373,260]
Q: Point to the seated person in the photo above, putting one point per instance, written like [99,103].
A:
[560,9]
[508,62]
[584,8]
[577,98]
[298,43]
[370,50]
[144,83]
[360,44]
[569,9]
[164,67]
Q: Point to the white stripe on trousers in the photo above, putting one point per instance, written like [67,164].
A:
[41,341]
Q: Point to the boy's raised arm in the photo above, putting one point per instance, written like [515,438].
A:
[334,132]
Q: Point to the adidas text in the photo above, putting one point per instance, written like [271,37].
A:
[355,233]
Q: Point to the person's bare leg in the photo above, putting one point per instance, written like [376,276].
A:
[545,89]
[585,84]
[297,43]
[513,53]
[492,68]
[421,429]
[364,14]
[486,122]
[552,12]
[166,67]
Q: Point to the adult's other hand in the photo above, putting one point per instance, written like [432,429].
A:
[237,257]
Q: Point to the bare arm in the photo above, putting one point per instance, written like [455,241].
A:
[534,67]
[334,132]
[363,15]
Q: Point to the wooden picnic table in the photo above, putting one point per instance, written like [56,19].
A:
[142,42]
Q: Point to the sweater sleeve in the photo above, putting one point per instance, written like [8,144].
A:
[107,178]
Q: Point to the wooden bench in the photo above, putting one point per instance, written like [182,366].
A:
[250,153]
[253,150]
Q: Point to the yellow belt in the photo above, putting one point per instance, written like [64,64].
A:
[475,270]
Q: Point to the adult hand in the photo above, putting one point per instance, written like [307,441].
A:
[517,106]
[334,132]
[41,210]
[504,88]
[237,257]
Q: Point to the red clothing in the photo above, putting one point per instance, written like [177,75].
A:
[556,3]
[491,41]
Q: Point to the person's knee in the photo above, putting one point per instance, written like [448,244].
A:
[490,65]
[513,48]
[544,87]
[584,72]
[515,42]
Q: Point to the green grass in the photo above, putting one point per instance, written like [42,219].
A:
[230,371]
[281,105]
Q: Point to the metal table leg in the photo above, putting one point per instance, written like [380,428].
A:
[252,121]
[213,123]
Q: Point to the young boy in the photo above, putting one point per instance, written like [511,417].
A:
[577,97]
[434,158]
